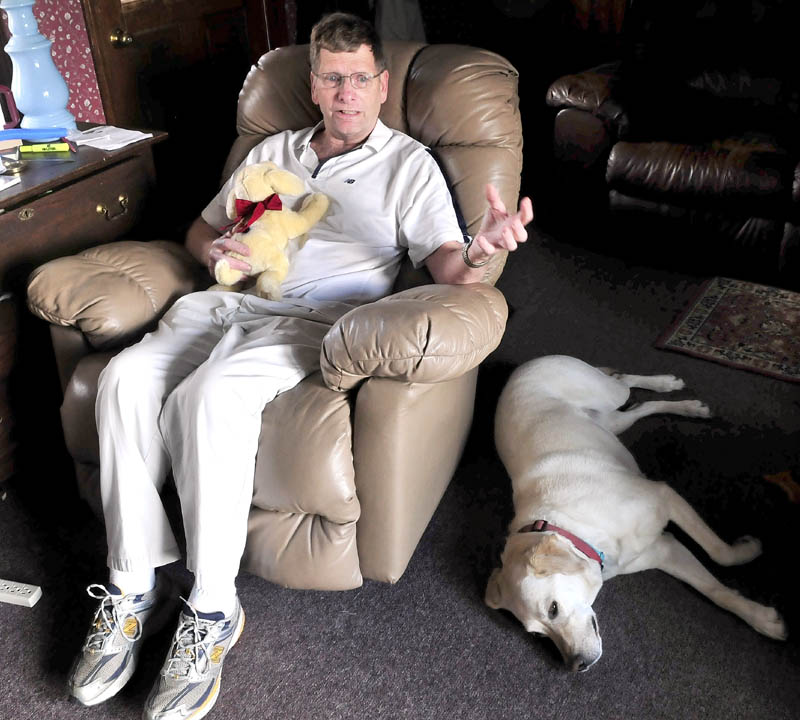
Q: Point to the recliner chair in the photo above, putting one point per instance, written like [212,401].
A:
[354,460]
[686,148]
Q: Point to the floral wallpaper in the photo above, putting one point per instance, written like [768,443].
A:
[62,21]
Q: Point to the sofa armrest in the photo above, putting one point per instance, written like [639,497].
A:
[116,292]
[595,91]
[427,334]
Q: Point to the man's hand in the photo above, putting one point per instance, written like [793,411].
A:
[219,249]
[207,247]
[499,229]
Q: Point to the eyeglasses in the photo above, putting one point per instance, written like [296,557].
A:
[359,80]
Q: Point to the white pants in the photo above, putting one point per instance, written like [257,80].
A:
[190,396]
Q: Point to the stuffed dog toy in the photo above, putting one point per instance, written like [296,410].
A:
[261,223]
[583,512]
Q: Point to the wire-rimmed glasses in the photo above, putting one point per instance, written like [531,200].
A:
[359,80]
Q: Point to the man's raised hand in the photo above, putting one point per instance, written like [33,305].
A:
[499,229]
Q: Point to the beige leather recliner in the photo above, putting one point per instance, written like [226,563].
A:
[354,460]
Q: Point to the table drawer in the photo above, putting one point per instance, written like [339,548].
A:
[96,209]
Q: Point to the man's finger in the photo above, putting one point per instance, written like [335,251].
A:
[525,213]
[508,239]
[520,234]
[494,199]
[236,246]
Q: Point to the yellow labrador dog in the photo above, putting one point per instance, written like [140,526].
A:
[584,513]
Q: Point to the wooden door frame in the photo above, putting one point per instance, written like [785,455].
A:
[100,18]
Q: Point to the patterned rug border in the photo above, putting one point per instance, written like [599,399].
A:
[680,336]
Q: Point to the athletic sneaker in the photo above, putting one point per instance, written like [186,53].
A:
[189,682]
[111,649]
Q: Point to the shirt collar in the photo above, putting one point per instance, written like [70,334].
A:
[379,136]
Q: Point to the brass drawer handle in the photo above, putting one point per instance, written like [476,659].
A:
[26,213]
[102,209]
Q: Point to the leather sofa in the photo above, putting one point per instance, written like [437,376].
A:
[686,147]
[354,460]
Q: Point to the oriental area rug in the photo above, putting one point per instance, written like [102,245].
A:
[743,325]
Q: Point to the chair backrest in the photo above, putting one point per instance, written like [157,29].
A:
[460,101]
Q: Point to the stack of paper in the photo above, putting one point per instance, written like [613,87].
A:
[106,137]
[7,181]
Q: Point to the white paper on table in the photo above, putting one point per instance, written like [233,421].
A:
[7,181]
[106,137]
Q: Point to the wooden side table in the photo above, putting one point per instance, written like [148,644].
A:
[57,209]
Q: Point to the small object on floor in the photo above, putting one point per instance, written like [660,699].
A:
[18,593]
[787,483]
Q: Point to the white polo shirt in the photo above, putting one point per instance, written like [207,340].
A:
[387,197]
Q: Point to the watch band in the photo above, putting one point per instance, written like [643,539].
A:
[465,256]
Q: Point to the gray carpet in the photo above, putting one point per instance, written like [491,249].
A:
[428,647]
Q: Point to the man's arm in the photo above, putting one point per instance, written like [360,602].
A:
[499,231]
[207,247]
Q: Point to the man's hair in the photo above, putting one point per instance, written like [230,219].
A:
[343,32]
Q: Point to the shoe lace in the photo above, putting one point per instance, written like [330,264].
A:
[107,617]
[190,646]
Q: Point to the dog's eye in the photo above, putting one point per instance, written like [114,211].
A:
[553,612]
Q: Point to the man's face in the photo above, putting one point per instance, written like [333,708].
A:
[349,114]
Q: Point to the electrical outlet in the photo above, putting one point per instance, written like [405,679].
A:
[18,593]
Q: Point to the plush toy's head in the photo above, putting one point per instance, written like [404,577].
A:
[261,223]
[257,182]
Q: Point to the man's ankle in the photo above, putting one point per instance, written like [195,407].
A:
[133,583]
[213,600]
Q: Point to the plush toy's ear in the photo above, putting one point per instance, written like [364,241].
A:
[551,556]
[230,204]
[284,182]
[494,590]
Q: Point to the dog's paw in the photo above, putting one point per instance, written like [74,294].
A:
[769,622]
[670,383]
[745,549]
[696,408]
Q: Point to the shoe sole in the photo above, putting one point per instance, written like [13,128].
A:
[206,707]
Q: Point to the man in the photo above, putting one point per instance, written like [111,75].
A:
[166,402]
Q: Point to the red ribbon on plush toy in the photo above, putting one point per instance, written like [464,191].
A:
[247,211]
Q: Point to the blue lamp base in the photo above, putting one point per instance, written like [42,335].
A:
[39,90]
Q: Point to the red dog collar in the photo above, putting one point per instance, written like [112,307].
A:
[582,545]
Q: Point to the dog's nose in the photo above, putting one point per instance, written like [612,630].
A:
[581,663]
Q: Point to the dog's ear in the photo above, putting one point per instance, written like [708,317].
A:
[494,591]
[550,557]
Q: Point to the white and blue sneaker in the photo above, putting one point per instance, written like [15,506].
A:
[111,649]
[190,677]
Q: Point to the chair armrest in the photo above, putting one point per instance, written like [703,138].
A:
[595,91]
[115,292]
[427,334]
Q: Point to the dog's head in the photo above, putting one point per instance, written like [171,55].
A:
[550,586]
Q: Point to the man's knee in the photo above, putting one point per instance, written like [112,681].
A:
[126,381]
[208,390]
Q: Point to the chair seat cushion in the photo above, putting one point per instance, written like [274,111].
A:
[748,175]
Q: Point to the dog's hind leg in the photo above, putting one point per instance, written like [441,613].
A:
[744,550]
[621,420]
[657,383]
[669,555]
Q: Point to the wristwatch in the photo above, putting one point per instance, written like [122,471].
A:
[465,256]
